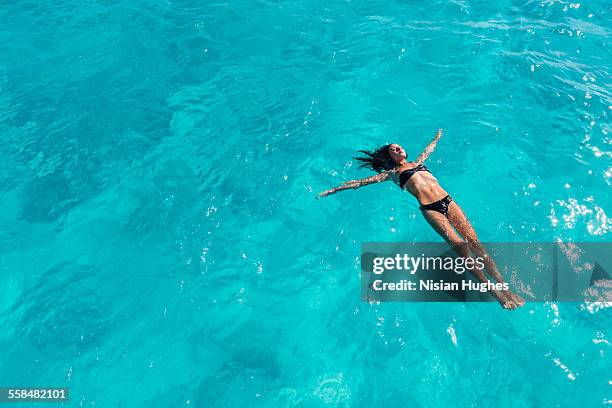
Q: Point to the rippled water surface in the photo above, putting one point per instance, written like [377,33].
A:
[160,244]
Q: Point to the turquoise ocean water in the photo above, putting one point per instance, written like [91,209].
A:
[160,244]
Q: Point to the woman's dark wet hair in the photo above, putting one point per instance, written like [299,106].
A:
[379,160]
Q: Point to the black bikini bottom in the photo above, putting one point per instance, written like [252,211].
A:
[440,206]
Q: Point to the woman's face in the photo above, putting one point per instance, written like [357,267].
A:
[397,153]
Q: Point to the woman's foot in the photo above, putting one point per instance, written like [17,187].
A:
[519,301]
[508,300]
[503,300]
[508,304]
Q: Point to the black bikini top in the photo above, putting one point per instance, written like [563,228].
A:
[406,174]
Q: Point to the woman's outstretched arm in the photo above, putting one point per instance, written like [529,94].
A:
[430,148]
[352,184]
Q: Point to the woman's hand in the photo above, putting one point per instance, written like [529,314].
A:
[327,192]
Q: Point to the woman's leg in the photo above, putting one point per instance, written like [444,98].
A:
[459,221]
[444,228]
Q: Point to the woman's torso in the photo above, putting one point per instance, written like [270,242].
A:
[419,181]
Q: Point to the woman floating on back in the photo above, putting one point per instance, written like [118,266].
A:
[439,209]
